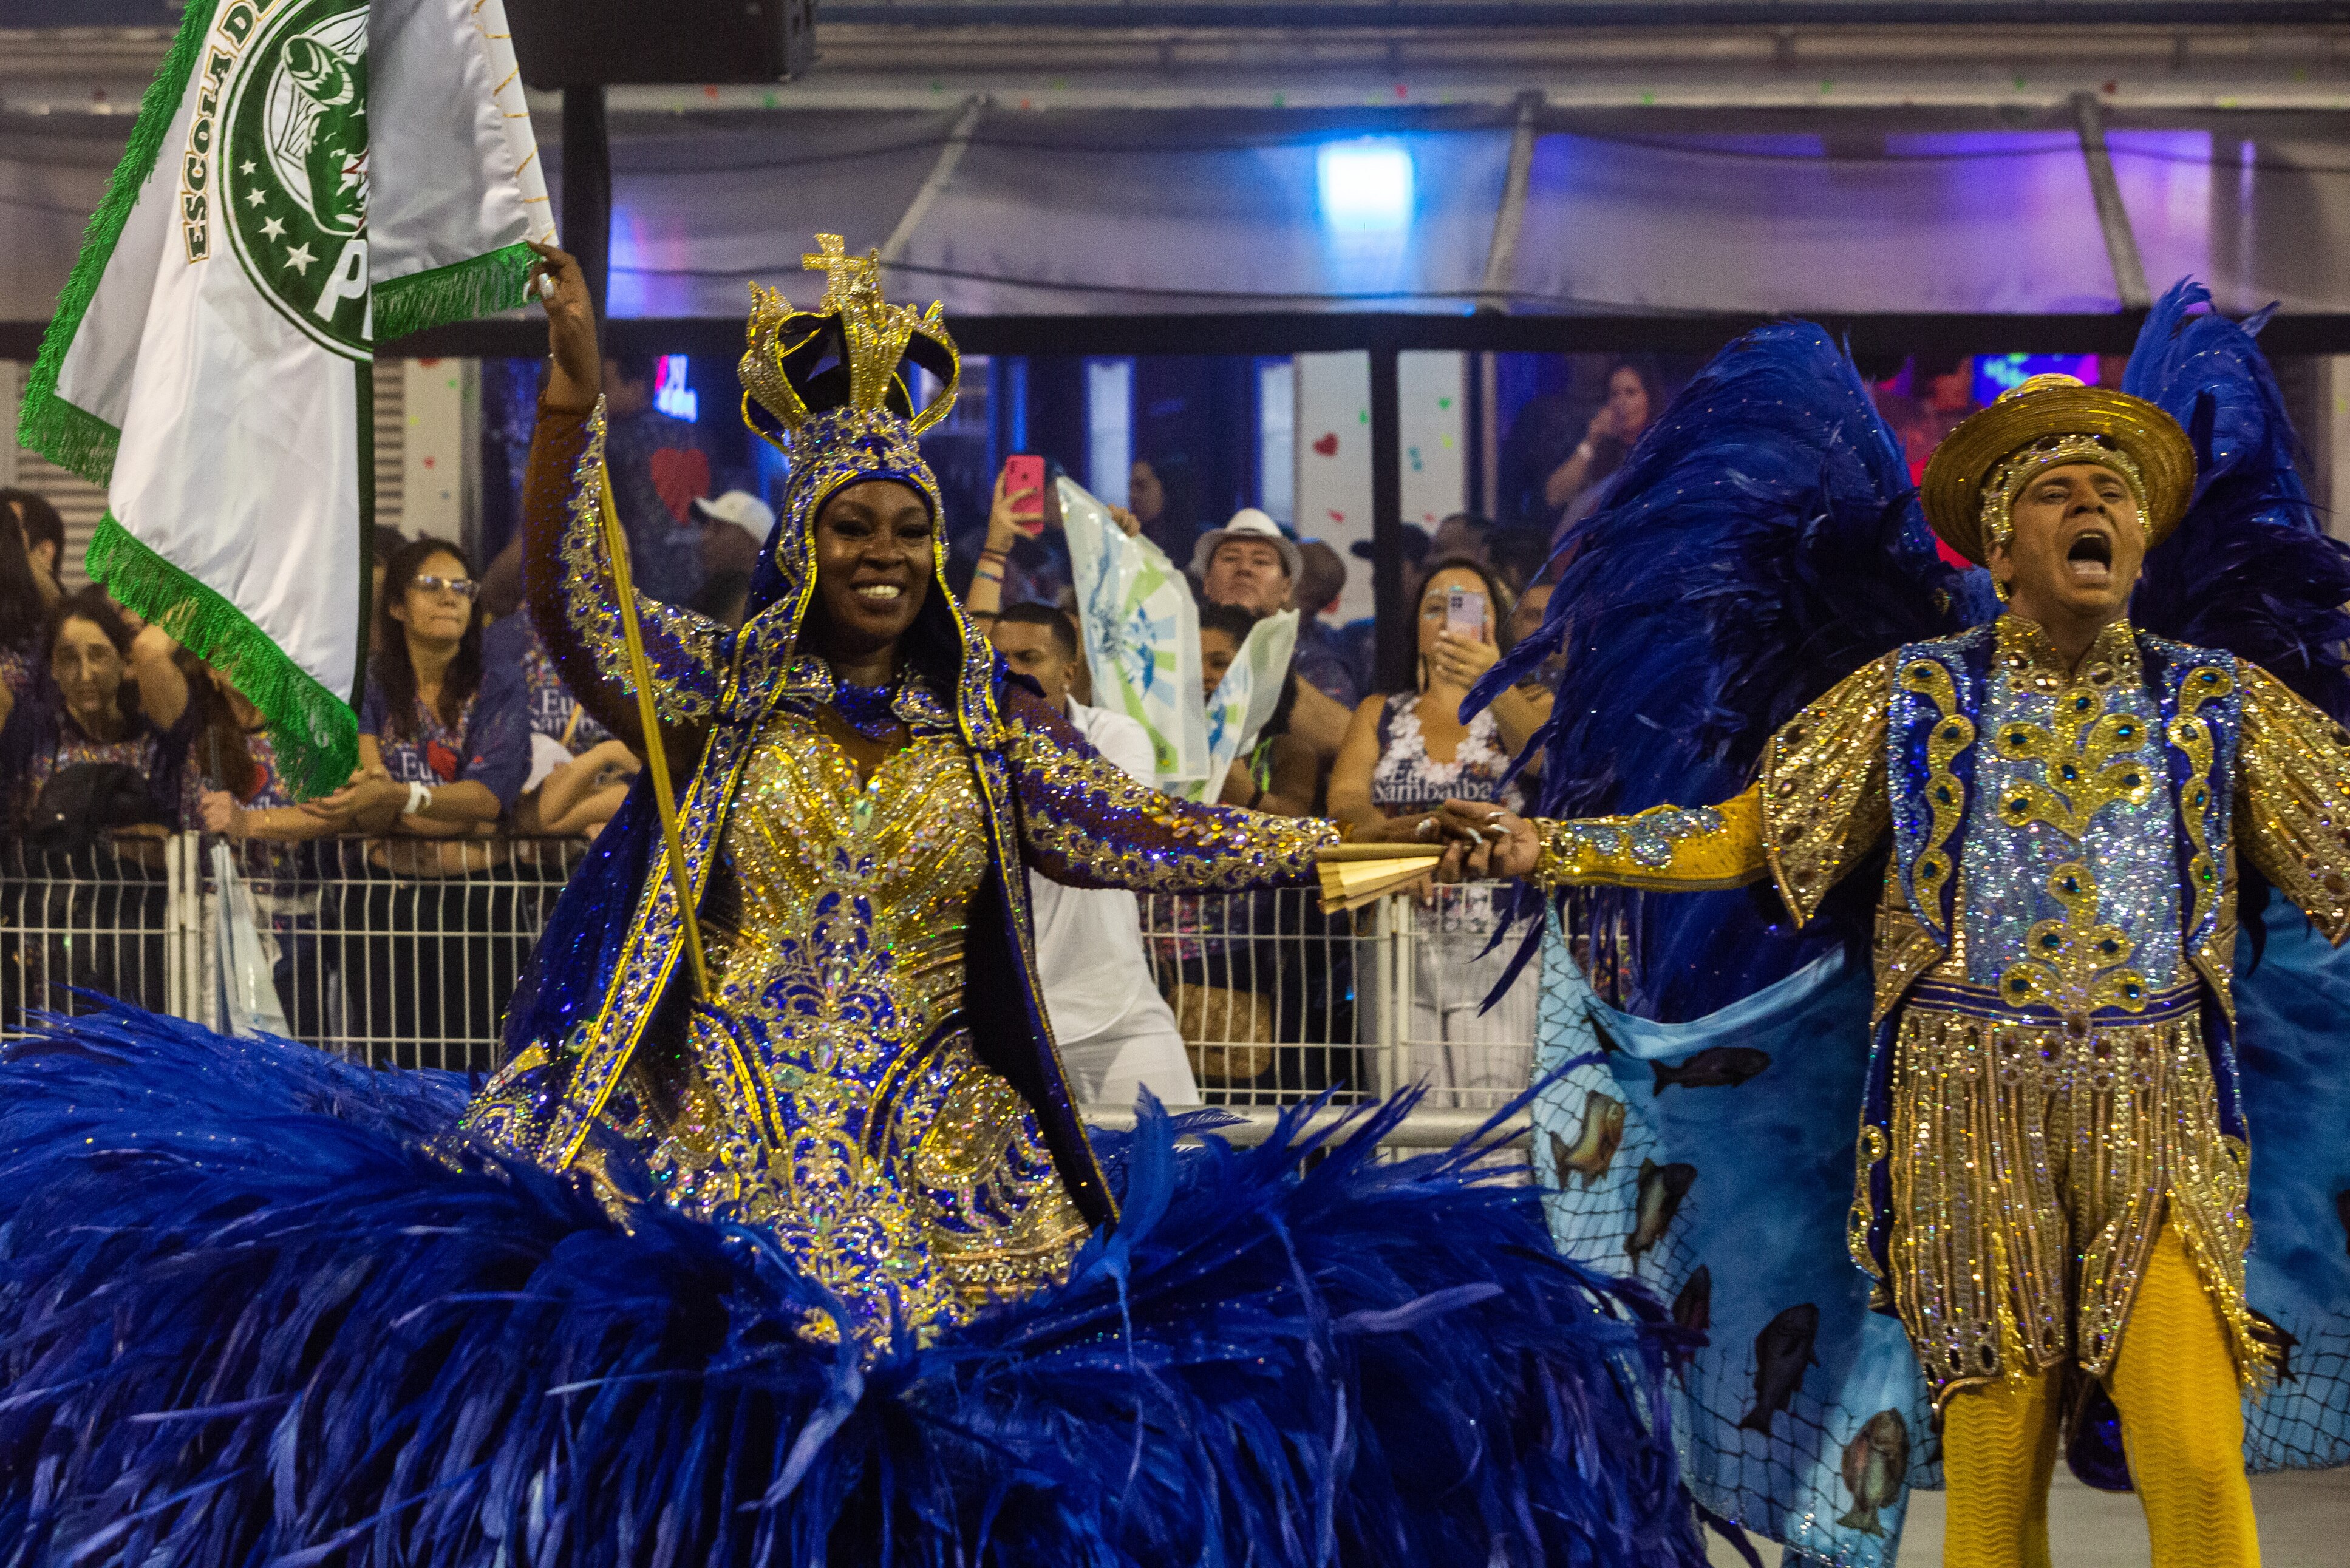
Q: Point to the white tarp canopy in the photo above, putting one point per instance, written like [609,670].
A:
[999,211]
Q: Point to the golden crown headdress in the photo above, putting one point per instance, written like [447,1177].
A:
[1973,478]
[852,351]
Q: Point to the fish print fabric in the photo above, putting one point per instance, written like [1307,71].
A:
[1752,1254]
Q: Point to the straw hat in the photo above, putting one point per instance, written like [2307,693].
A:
[1974,477]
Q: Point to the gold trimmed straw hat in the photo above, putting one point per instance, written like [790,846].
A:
[1974,477]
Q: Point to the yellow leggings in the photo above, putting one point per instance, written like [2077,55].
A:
[2174,1382]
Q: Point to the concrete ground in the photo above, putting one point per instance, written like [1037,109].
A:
[2304,1517]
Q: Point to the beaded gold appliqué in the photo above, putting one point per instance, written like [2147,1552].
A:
[1823,788]
[1945,797]
[2294,783]
[2077,963]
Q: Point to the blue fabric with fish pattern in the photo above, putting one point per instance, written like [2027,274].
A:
[1799,1373]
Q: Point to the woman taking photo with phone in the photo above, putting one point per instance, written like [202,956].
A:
[1406,752]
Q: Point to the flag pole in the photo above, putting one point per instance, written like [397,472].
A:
[616,548]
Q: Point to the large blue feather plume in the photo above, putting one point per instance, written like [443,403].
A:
[257,1307]
[2251,568]
[1762,542]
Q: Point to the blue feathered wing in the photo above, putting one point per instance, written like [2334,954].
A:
[257,1306]
[1762,542]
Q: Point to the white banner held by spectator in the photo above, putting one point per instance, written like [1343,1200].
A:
[1245,699]
[1141,633]
[304,176]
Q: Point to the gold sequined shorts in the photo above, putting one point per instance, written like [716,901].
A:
[2032,1164]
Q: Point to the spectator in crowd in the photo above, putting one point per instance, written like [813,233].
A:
[1636,396]
[579,796]
[1116,1033]
[1321,647]
[1012,567]
[244,795]
[1539,688]
[444,743]
[245,799]
[1463,536]
[1163,492]
[91,766]
[561,733]
[95,704]
[44,536]
[444,750]
[1278,774]
[659,468]
[1408,751]
[734,528]
[1250,564]
[23,609]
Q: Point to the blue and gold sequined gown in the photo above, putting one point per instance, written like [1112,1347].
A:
[846,1109]
[874,1082]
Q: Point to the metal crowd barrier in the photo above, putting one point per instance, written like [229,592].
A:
[405,956]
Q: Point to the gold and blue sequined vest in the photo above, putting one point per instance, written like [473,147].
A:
[832,1097]
[2046,1096]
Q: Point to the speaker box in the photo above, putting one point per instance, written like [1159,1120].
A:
[592,42]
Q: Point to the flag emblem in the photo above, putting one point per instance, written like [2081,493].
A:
[293,179]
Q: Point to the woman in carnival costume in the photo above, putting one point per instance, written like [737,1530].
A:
[814,1263]
[1999,833]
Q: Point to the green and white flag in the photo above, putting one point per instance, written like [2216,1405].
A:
[305,178]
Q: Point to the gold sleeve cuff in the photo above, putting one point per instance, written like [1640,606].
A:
[2293,800]
[1680,849]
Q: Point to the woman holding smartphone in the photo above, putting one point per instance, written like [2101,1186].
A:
[1022,508]
[1407,751]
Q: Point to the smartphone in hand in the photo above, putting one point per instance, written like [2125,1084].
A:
[1464,614]
[1025,471]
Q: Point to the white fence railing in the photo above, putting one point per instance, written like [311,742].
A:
[409,962]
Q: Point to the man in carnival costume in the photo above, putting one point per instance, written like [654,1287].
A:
[792,1249]
[2071,1049]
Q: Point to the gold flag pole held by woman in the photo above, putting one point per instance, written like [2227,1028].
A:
[640,676]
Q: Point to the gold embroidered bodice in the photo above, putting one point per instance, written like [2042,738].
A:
[838,1104]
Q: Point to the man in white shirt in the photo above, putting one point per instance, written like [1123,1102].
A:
[1116,1033]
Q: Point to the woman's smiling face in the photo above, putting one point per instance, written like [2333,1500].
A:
[873,563]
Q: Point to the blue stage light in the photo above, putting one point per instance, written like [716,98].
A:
[1366,185]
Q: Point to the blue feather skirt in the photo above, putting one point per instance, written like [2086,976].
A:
[256,1306]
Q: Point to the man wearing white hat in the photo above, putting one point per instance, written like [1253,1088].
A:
[1250,564]
[737,546]
[1247,562]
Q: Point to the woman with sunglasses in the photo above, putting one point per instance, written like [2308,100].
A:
[444,748]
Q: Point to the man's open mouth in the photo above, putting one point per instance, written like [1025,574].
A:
[2090,559]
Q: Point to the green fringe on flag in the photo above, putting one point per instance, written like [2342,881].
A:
[460,292]
[316,735]
[70,437]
